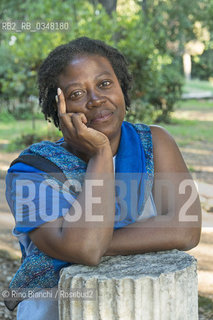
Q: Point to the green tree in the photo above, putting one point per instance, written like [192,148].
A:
[141,30]
[22,53]
[110,5]
[172,22]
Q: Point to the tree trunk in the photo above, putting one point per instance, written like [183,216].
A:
[187,65]
[144,7]
[109,5]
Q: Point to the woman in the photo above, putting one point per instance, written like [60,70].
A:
[118,199]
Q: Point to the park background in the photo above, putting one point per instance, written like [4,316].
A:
[169,47]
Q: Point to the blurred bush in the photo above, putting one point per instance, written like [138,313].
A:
[141,34]
[14,109]
[202,66]
[141,112]
[27,139]
[6,117]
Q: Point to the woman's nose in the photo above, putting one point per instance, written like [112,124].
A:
[95,101]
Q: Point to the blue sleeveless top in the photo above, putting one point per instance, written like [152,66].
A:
[134,162]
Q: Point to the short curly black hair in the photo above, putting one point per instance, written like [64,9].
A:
[61,56]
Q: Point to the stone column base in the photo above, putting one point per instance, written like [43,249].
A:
[152,286]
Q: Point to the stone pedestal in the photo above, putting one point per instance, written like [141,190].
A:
[152,286]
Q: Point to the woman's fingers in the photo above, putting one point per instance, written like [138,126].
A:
[74,122]
[79,121]
[62,110]
[61,102]
[64,118]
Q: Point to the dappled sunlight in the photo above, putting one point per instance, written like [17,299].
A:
[193,115]
[197,151]
[203,168]
[205,283]
[204,254]
[199,160]
[5,160]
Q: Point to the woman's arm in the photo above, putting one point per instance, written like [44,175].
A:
[83,241]
[178,223]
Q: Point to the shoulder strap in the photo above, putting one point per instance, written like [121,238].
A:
[42,164]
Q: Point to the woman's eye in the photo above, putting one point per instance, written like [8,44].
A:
[105,83]
[76,94]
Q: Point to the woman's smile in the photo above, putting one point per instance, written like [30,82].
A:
[101,116]
[91,87]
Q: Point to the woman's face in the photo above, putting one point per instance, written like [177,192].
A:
[90,86]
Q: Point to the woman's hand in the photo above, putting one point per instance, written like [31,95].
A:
[76,134]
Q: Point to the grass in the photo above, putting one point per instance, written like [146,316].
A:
[189,131]
[11,133]
[14,129]
[206,307]
[196,85]
[204,105]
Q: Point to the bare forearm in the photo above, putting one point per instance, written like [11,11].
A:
[155,234]
[96,227]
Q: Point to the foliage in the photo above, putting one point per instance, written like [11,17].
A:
[157,79]
[176,23]
[142,35]
[167,91]
[6,117]
[206,14]
[141,111]
[172,22]
[202,66]
[22,53]
[205,306]
[20,110]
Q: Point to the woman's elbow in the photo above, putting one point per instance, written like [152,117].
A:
[85,253]
[190,239]
[90,256]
